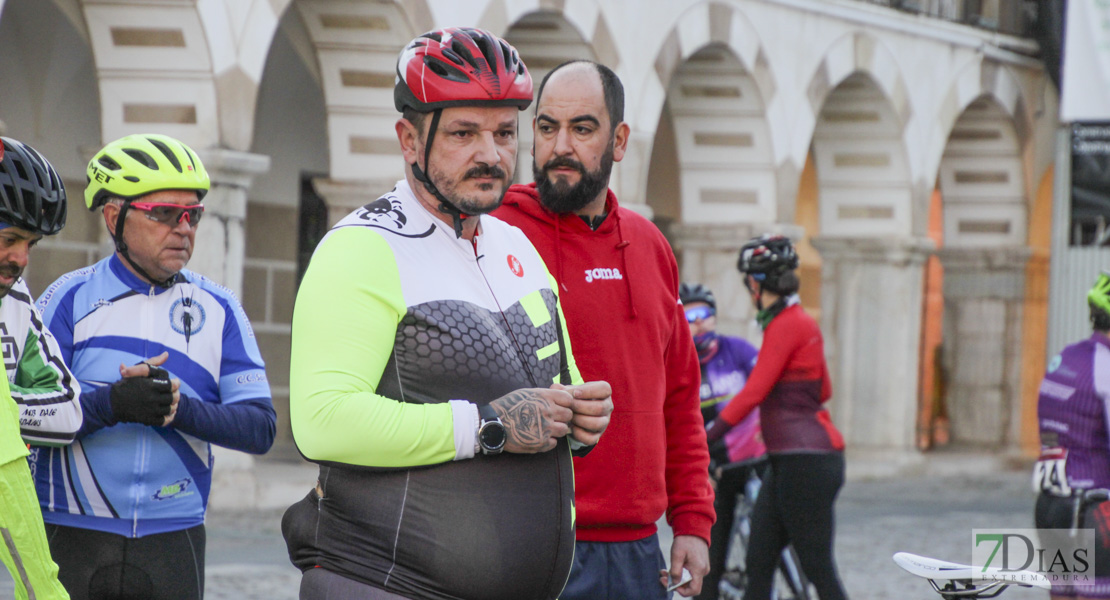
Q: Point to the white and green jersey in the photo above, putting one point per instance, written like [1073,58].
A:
[46,394]
[400,330]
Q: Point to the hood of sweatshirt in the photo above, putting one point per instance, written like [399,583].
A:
[527,199]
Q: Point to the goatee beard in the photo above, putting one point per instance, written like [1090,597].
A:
[559,196]
[468,205]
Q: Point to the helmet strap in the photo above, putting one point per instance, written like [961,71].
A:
[121,247]
[756,292]
[445,205]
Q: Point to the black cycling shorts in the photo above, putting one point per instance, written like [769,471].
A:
[1055,512]
[95,565]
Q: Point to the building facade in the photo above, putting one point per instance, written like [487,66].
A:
[909,149]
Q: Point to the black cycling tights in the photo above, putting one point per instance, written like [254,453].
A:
[795,506]
[93,565]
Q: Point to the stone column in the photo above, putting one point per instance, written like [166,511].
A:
[219,254]
[221,240]
[984,297]
[871,299]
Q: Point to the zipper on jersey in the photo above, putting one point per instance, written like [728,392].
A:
[144,446]
[522,356]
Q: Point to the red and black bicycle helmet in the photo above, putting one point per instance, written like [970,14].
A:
[32,196]
[460,66]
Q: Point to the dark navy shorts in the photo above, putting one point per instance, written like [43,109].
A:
[617,571]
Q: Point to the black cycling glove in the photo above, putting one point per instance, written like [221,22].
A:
[145,400]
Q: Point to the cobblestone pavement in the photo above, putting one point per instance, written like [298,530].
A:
[932,516]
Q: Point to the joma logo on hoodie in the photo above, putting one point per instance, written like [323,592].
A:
[592,274]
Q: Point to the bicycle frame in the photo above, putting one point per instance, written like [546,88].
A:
[790,582]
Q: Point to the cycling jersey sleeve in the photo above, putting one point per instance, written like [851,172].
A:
[768,369]
[750,353]
[344,324]
[44,389]
[247,425]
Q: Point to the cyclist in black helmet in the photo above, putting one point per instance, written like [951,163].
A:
[790,384]
[46,409]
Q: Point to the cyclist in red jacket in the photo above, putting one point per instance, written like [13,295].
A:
[789,384]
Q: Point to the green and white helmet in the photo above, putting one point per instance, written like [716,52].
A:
[139,164]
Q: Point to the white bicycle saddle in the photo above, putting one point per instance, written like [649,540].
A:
[941,570]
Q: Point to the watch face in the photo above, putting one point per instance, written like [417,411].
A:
[492,436]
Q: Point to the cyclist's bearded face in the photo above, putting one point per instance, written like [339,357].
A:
[477,192]
[15,248]
[556,191]
[474,156]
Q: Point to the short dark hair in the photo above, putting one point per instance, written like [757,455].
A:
[611,87]
[416,118]
[1100,321]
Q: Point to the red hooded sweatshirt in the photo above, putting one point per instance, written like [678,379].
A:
[619,292]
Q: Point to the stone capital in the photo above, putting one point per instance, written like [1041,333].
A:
[233,167]
[997,273]
[1012,258]
[728,237]
[897,251]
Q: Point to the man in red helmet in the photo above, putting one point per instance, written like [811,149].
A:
[431,374]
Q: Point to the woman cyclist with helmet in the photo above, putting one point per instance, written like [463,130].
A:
[790,383]
[39,396]
[726,364]
[1075,442]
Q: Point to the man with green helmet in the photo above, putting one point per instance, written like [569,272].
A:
[1073,413]
[39,396]
[168,364]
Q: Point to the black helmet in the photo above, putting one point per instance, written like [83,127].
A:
[696,293]
[32,196]
[767,256]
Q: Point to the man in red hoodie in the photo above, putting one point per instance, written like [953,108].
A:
[619,289]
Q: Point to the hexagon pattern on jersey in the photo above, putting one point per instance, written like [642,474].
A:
[448,349]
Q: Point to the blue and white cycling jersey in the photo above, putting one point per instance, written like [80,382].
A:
[128,478]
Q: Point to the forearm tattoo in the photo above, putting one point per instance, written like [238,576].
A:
[524,420]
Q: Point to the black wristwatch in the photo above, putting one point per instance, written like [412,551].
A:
[491,433]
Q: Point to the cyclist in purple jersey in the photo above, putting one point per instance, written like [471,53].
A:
[1073,411]
[726,363]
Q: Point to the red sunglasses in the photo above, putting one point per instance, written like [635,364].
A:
[169,213]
